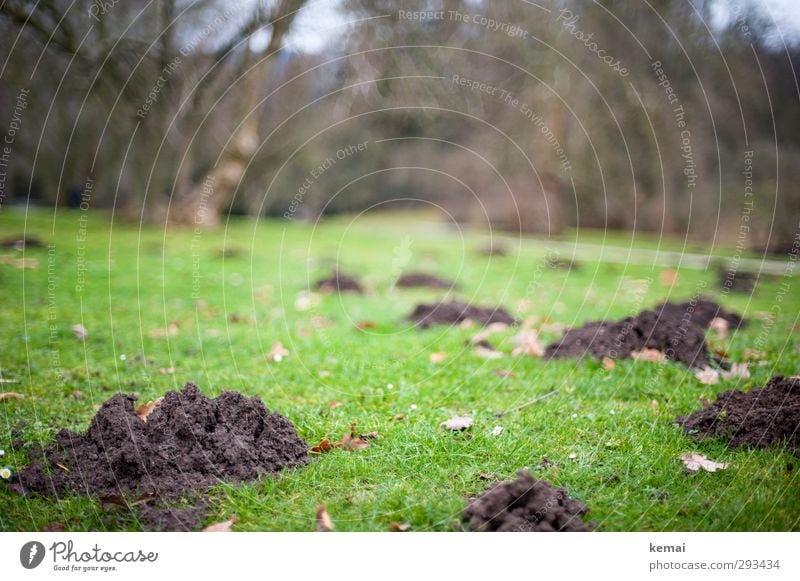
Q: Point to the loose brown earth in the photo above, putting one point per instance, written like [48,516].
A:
[341,283]
[20,242]
[422,279]
[525,505]
[667,331]
[700,312]
[761,417]
[453,312]
[187,444]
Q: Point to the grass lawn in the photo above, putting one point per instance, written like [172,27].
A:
[608,434]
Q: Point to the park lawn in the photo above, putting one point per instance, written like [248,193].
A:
[604,438]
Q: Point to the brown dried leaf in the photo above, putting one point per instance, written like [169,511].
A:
[668,277]
[222,527]
[654,406]
[608,363]
[278,352]
[11,395]
[487,352]
[458,423]
[400,527]
[77,394]
[323,446]
[707,376]
[437,357]
[399,417]
[720,326]
[528,344]
[738,370]
[653,355]
[694,462]
[146,409]
[80,332]
[753,354]
[365,325]
[334,404]
[504,373]
[324,522]
[354,443]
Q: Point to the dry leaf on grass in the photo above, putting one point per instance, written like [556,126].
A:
[324,522]
[753,354]
[668,277]
[80,332]
[654,406]
[653,355]
[278,352]
[222,527]
[527,344]
[504,373]
[458,423]
[365,325]
[486,351]
[437,357]
[694,462]
[400,527]
[738,370]
[399,417]
[488,330]
[608,363]
[334,404]
[353,442]
[720,326]
[707,376]
[323,446]
[11,395]
[146,409]
[171,331]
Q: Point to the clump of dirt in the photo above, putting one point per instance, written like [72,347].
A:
[561,264]
[188,443]
[21,242]
[667,331]
[525,505]
[757,418]
[339,282]
[737,281]
[422,279]
[700,312]
[452,312]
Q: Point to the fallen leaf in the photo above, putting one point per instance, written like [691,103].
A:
[704,401]
[458,423]
[334,404]
[437,357]
[486,351]
[324,522]
[720,326]
[77,394]
[504,373]
[354,443]
[222,527]
[653,355]
[528,344]
[166,370]
[371,436]
[365,325]
[738,370]
[608,363]
[278,352]
[466,323]
[11,395]
[488,330]
[399,417]
[654,406]
[80,332]
[694,462]
[400,527]
[753,354]
[707,376]
[323,446]
[146,409]
[668,277]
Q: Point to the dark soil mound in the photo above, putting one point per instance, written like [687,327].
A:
[447,313]
[339,282]
[759,418]
[668,332]
[700,312]
[188,442]
[422,279]
[743,282]
[20,242]
[525,505]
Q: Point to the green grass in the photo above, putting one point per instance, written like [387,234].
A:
[626,465]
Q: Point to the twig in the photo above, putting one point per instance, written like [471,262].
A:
[526,404]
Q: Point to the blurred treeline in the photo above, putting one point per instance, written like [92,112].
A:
[183,111]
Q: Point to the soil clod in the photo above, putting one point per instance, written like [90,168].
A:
[759,418]
[452,312]
[422,279]
[21,242]
[700,312]
[525,505]
[189,443]
[339,282]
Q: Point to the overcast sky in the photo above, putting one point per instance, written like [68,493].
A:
[321,22]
